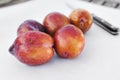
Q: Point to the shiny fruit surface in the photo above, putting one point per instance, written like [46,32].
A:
[69,41]
[54,21]
[33,48]
[82,19]
[30,25]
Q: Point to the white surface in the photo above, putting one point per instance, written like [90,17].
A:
[100,59]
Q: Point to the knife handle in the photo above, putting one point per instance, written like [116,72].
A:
[105,23]
[106,29]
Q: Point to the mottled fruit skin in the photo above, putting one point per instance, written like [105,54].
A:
[54,21]
[33,48]
[69,41]
[82,19]
[30,25]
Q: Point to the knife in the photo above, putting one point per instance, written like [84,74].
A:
[101,23]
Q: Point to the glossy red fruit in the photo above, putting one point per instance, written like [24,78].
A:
[54,21]
[33,48]
[69,41]
[82,19]
[30,25]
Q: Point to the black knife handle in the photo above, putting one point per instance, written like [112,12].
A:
[105,23]
[106,29]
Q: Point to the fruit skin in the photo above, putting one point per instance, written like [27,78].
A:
[30,25]
[69,41]
[33,48]
[82,19]
[54,21]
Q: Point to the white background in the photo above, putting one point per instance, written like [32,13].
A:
[100,59]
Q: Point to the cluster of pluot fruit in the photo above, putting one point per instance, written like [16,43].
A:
[36,43]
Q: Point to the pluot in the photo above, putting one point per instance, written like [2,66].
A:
[54,21]
[33,48]
[69,41]
[30,25]
[82,19]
